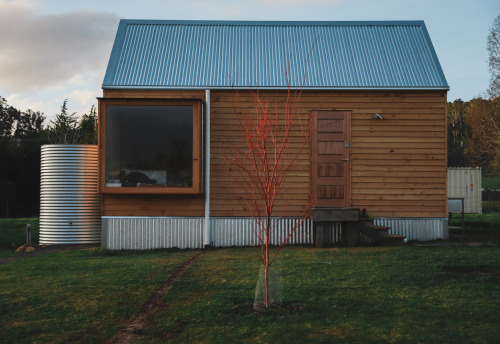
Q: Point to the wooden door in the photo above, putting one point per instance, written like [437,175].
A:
[330,158]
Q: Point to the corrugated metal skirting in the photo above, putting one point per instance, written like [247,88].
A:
[145,233]
[416,229]
[240,232]
[142,233]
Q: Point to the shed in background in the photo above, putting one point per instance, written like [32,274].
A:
[465,182]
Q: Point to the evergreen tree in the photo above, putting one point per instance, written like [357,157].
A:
[88,127]
[64,129]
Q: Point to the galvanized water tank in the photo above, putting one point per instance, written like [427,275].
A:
[69,199]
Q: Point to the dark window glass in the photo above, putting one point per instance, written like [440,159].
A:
[149,146]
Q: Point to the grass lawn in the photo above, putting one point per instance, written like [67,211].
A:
[490,182]
[13,232]
[361,295]
[80,296]
[483,228]
[405,294]
[478,220]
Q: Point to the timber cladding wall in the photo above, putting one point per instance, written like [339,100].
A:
[152,204]
[398,164]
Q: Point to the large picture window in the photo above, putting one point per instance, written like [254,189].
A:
[150,146]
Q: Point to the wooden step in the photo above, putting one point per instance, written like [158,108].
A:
[377,233]
[384,230]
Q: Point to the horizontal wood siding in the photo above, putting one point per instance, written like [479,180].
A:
[153,205]
[227,197]
[398,164]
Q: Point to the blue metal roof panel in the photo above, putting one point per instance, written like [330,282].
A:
[324,55]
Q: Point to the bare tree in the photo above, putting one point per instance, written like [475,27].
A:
[494,58]
[261,167]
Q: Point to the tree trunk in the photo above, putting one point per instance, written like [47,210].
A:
[266,283]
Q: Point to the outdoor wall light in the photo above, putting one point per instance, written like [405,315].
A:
[377,116]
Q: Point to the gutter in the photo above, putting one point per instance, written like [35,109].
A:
[206,236]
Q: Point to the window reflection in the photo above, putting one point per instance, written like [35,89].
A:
[149,146]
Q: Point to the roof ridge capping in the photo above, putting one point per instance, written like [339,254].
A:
[274,23]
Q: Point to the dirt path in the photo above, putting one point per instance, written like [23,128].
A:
[129,332]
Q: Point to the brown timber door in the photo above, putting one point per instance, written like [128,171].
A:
[330,158]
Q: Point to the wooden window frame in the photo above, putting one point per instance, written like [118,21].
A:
[196,187]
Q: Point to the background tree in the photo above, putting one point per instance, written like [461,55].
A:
[64,130]
[20,161]
[8,118]
[458,132]
[88,127]
[494,58]
[29,124]
[474,127]
[484,140]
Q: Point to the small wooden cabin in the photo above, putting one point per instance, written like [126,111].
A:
[168,110]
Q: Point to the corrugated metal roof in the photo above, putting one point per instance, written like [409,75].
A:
[221,54]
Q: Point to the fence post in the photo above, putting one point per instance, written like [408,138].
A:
[28,234]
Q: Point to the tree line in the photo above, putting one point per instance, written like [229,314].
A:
[474,126]
[474,134]
[21,136]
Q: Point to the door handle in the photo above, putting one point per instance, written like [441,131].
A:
[347,159]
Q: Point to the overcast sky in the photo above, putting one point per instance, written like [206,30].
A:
[53,50]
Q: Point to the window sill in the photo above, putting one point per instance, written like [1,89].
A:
[150,190]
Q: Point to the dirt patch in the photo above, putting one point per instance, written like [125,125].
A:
[474,271]
[35,250]
[130,331]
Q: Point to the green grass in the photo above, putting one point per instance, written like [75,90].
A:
[360,295]
[80,296]
[490,182]
[379,295]
[13,232]
[491,206]
[484,228]
[479,220]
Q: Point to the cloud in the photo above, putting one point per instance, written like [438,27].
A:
[40,50]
